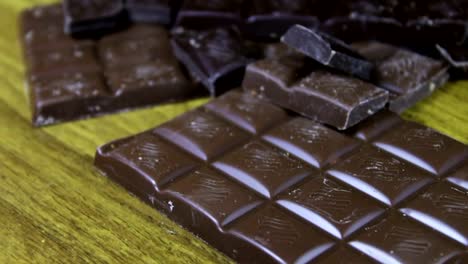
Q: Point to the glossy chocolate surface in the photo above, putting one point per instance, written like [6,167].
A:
[327,51]
[213,57]
[408,76]
[288,190]
[71,79]
[294,83]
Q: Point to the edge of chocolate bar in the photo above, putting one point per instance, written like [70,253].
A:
[320,48]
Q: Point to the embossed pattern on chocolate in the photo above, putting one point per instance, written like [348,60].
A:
[288,190]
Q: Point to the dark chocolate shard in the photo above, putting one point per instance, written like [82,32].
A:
[213,57]
[327,50]
[203,14]
[288,190]
[329,98]
[93,18]
[410,77]
[149,11]
[269,20]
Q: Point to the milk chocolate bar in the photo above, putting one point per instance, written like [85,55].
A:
[266,186]
[327,50]
[408,76]
[269,20]
[70,79]
[93,18]
[213,57]
[331,98]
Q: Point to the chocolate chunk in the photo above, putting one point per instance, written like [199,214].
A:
[203,14]
[69,79]
[269,20]
[213,57]
[410,77]
[329,98]
[149,11]
[327,51]
[288,190]
[456,56]
[91,18]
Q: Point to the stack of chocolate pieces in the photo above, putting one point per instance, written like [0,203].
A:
[302,157]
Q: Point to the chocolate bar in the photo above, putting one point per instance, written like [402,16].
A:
[93,18]
[269,20]
[203,14]
[263,185]
[69,79]
[149,11]
[330,98]
[327,50]
[409,76]
[213,57]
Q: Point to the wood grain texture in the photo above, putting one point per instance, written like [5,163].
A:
[55,207]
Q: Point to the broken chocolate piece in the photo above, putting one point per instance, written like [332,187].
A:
[410,77]
[149,11]
[326,97]
[327,51]
[93,18]
[269,20]
[289,190]
[204,14]
[213,57]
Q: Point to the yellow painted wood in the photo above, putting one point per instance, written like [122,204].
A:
[54,206]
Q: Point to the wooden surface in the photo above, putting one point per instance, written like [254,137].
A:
[54,206]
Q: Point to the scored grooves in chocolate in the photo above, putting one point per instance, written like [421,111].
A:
[272,194]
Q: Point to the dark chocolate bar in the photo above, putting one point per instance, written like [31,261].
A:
[269,20]
[409,76]
[149,11]
[213,57]
[70,79]
[93,18]
[204,14]
[327,50]
[265,186]
[330,98]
